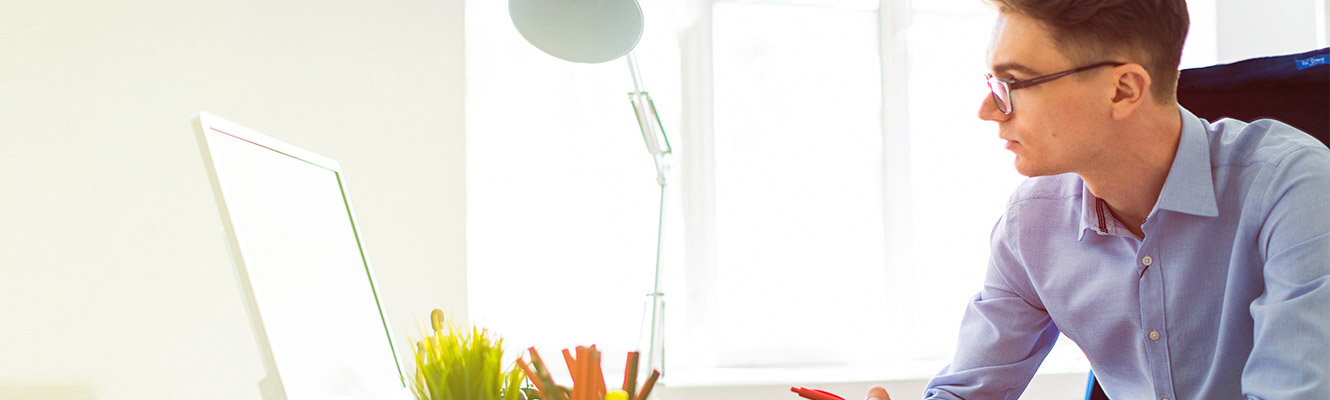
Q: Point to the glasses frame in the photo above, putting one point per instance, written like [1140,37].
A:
[1008,85]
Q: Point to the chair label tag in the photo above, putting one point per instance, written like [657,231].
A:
[1313,61]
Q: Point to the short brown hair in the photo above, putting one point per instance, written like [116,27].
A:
[1147,32]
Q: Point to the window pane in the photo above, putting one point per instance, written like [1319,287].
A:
[961,176]
[798,155]
[961,179]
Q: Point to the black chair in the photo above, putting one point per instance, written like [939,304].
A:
[1293,89]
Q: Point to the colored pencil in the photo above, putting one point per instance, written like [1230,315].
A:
[572,370]
[535,379]
[544,374]
[588,376]
[597,375]
[646,387]
[583,374]
[630,374]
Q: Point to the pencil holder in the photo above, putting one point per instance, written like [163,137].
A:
[588,378]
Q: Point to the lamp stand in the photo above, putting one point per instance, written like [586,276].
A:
[653,133]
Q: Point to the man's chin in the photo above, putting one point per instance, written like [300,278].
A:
[1023,167]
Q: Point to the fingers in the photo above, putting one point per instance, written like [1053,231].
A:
[878,393]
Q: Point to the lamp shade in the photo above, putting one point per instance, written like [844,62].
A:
[584,31]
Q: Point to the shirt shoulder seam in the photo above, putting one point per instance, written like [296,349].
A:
[1275,161]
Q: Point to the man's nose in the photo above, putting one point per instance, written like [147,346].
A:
[988,110]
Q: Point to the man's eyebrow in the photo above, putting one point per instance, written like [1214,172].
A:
[1011,66]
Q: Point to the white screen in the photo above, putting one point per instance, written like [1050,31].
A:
[309,278]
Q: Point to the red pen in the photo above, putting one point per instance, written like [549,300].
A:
[815,394]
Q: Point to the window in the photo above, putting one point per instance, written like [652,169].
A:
[834,198]
[798,184]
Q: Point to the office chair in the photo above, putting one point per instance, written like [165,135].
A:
[1293,89]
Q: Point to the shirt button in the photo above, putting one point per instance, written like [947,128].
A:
[1147,260]
[1154,335]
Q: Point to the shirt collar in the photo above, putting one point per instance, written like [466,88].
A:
[1094,214]
[1189,187]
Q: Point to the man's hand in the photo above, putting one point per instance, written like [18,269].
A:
[878,393]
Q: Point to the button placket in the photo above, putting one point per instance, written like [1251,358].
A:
[1153,320]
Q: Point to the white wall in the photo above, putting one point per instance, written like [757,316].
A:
[114,281]
[1257,28]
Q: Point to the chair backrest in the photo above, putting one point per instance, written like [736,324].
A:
[1293,89]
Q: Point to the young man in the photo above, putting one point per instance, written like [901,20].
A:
[1188,259]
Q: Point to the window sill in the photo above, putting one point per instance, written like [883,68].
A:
[776,385]
[757,376]
[817,375]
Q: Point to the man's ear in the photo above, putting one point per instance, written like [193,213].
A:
[1131,89]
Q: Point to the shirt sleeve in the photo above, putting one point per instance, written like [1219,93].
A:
[1290,357]
[1004,336]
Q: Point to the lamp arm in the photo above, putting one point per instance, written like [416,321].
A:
[658,145]
[648,120]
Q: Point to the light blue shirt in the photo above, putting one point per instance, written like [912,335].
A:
[1227,296]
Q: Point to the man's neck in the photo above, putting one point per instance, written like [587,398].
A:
[1131,175]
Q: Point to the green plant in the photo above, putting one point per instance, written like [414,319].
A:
[462,366]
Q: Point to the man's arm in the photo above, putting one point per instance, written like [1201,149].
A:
[1005,335]
[1290,356]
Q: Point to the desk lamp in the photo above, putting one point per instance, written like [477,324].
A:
[597,31]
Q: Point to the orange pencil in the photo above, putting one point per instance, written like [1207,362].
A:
[545,375]
[574,373]
[535,379]
[572,365]
[598,375]
[646,388]
[584,373]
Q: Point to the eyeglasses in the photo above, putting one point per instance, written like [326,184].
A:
[1002,87]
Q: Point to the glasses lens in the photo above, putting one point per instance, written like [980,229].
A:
[1001,95]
